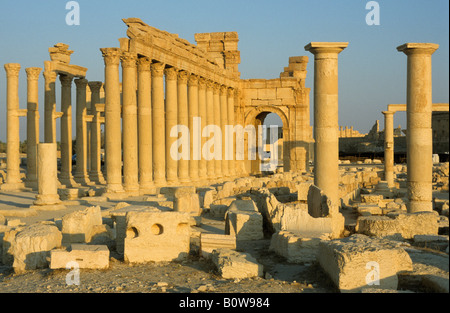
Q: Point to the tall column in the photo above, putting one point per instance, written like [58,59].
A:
[389,148]
[159,133]
[129,126]
[47,172]
[210,120]
[326,126]
[66,177]
[194,130]
[145,126]
[183,119]
[419,139]
[171,121]
[49,106]
[81,174]
[218,139]
[13,181]
[113,132]
[202,109]
[223,123]
[232,165]
[95,169]
[32,124]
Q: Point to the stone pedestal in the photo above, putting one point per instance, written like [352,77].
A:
[113,133]
[32,124]
[326,122]
[419,140]
[13,181]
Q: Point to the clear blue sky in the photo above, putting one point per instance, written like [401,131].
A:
[372,73]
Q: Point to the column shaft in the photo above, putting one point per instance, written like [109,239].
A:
[95,172]
[419,139]
[159,150]
[171,122]
[223,123]
[183,120]
[113,133]
[47,172]
[210,163]
[49,106]
[202,108]
[389,148]
[232,165]
[326,122]
[129,120]
[194,130]
[145,125]
[218,139]
[32,124]
[81,144]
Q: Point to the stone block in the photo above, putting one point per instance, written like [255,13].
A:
[369,209]
[244,221]
[30,246]
[69,194]
[187,203]
[210,242]
[302,190]
[295,248]
[406,225]
[86,256]
[371,198]
[155,235]
[236,265]
[359,262]
[78,226]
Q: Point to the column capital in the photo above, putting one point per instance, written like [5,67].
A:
[388,113]
[33,73]
[171,73]
[326,47]
[95,86]
[66,80]
[182,77]
[223,90]
[418,48]
[231,92]
[129,60]
[157,69]
[81,83]
[193,80]
[111,56]
[201,82]
[12,69]
[210,84]
[216,87]
[50,76]
[144,64]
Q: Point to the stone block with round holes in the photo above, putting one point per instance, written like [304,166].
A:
[155,235]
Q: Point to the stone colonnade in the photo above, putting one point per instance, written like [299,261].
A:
[162,105]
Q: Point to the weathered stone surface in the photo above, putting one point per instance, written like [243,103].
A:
[244,221]
[358,262]
[155,235]
[210,242]
[188,203]
[294,248]
[406,225]
[236,265]
[31,245]
[86,256]
[78,226]
[369,209]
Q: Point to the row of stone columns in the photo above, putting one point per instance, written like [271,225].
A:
[166,97]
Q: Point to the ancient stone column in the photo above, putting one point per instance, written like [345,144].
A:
[49,105]
[32,124]
[81,144]
[389,148]
[202,109]
[113,132]
[326,126]
[171,75]
[145,126]
[183,120]
[66,177]
[232,165]
[129,123]
[210,120]
[13,181]
[159,132]
[419,139]
[47,175]
[223,123]
[218,139]
[95,170]
[195,139]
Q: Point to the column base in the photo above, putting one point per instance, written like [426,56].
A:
[97,178]
[83,180]
[132,190]
[114,189]
[69,182]
[419,206]
[33,184]
[13,186]
[42,200]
